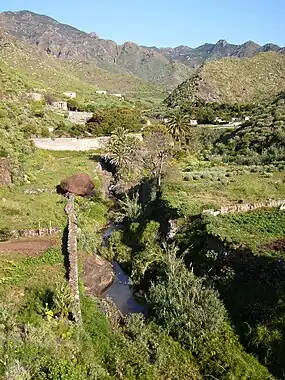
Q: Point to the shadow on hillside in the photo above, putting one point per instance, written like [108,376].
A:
[252,288]
[105,164]
[64,250]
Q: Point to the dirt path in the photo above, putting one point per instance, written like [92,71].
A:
[28,247]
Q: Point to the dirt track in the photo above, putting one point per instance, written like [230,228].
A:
[28,247]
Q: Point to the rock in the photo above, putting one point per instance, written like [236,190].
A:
[5,172]
[98,275]
[78,184]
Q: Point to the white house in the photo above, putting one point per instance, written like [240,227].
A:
[100,92]
[117,95]
[70,95]
[193,122]
[247,118]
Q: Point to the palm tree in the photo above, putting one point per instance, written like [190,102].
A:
[177,125]
[120,150]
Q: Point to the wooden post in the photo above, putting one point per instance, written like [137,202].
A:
[50,227]
[39,229]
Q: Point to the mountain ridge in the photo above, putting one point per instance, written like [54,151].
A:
[66,42]
[165,67]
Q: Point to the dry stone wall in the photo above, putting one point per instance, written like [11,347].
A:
[73,258]
[77,117]
[245,207]
[71,144]
[52,231]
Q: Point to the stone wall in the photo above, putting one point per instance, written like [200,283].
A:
[245,207]
[72,256]
[77,117]
[71,144]
[52,231]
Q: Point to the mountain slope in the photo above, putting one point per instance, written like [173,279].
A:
[231,80]
[24,67]
[68,43]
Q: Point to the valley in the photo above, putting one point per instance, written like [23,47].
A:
[142,203]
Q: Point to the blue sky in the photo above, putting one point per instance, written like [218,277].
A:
[167,22]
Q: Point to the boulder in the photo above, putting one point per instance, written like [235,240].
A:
[78,184]
[98,275]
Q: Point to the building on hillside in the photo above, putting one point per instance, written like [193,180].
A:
[246,118]
[101,92]
[219,120]
[70,95]
[61,105]
[193,122]
[35,96]
[118,95]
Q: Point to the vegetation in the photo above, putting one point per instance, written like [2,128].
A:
[260,140]
[231,80]
[213,285]
[35,201]
[255,229]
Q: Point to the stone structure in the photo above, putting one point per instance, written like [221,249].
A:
[77,117]
[101,92]
[51,231]
[72,256]
[71,144]
[70,95]
[245,207]
[74,144]
[61,105]
[39,191]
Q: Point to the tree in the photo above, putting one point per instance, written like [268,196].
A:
[155,153]
[177,125]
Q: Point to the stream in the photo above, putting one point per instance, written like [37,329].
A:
[121,289]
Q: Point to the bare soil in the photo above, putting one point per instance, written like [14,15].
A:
[277,245]
[28,247]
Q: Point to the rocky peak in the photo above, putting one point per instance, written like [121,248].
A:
[222,43]
[93,35]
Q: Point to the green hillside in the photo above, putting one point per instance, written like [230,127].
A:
[24,68]
[232,80]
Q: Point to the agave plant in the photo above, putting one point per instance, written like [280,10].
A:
[129,208]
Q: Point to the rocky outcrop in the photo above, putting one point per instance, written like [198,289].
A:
[5,172]
[78,184]
[98,275]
